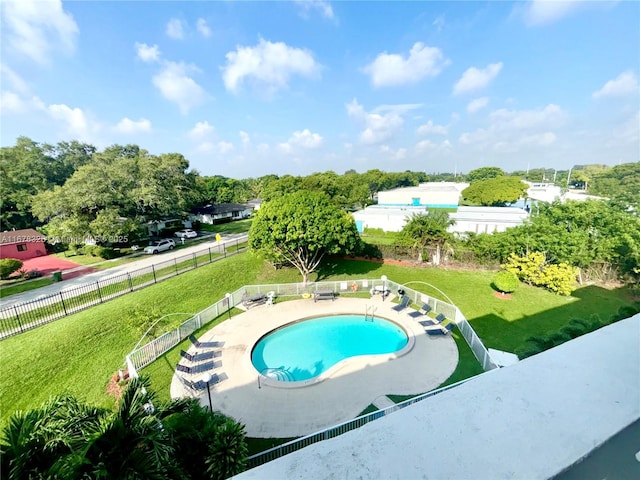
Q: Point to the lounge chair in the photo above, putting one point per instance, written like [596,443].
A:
[443,329]
[420,313]
[184,368]
[441,317]
[402,305]
[195,341]
[198,344]
[201,384]
[197,357]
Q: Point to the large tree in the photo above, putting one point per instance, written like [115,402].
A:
[300,229]
[495,192]
[483,173]
[427,230]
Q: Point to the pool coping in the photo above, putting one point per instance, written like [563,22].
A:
[269,411]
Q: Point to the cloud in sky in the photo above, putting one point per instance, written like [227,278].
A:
[128,126]
[307,6]
[477,104]
[75,122]
[201,129]
[394,69]
[147,53]
[544,12]
[268,64]
[382,123]
[476,78]
[624,84]
[306,139]
[177,86]
[203,28]
[38,29]
[430,128]
[175,29]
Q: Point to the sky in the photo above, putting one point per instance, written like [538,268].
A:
[245,89]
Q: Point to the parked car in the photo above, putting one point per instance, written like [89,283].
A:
[186,233]
[160,246]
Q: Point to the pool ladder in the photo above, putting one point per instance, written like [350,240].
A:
[369,310]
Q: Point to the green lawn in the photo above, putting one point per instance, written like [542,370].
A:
[81,352]
[24,286]
[237,226]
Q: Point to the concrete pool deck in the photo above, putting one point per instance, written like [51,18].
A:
[272,411]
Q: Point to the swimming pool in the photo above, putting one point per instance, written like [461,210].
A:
[305,349]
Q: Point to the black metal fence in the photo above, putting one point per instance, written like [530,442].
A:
[25,316]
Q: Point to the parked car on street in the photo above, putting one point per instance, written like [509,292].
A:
[186,233]
[160,246]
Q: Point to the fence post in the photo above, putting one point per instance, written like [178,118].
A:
[210,259]
[153,269]
[175,263]
[130,283]
[15,309]
[64,307]
[195,261]
[99,292]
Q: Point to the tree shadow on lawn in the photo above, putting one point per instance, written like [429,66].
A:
[342,266]
[596,306]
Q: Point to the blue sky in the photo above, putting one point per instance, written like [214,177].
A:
[244,89]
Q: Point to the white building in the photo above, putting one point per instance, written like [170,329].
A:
[548,192]
[432,194]
[468,219]
[486,219]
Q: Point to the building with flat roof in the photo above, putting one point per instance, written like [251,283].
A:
[426,195]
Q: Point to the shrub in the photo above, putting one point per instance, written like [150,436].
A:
[31,274]
[533,269]
[506,281]
[527,268]
[105,252]
[8,266]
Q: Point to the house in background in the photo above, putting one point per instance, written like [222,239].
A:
[486,219]
[548,192]
[22,244]
[155,227]
[223,212]
[255,204]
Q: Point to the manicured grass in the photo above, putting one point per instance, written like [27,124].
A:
[81,352]
[257,445]
[236,226]
[80,259]
[24,286]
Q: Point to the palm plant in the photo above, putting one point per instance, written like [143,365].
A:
[430,229]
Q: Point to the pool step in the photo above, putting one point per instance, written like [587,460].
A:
[383,402]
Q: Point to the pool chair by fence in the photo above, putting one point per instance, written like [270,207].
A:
[422,312]
[194,341]
[441,318]
[402,305]
[443,329]
[184,368]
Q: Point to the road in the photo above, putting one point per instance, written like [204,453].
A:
[92,278]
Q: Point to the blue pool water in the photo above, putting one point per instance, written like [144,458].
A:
[305,349]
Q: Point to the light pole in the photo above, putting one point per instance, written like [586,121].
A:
[228,297]
[384,286]
[206,379]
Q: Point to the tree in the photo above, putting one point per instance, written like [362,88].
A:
[484,173]
[495,192]
[506,281]
[300,229]
[430,229]
[8,266]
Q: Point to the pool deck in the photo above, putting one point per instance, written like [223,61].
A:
[351,386]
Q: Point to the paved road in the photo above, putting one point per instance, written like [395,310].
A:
[92,278]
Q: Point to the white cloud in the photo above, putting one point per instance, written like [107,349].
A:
[433,147]
[624,84]
[263,148]
[128,126]
[175,29]
[14,80]
[11,103]
[201,129]
[37,29]
[285,148]
[382,123]
[476,79]
[147,53]
[306,139]
[511,130]
[269,64]
[76,124]
[245,138]
[431,128]
[394,69]
[321,6]
[399,154]
[177,86]
[203,28]
[550,116]
[477,104]
[205,147]
[544,12]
